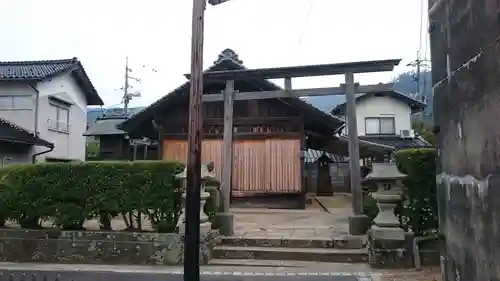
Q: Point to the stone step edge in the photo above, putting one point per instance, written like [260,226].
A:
[346,242]
[274,263]
[292,250]
[291,238]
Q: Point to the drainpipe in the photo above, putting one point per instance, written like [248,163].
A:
[33,157]
[37,105]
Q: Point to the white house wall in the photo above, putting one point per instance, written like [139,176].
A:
[24,117]
[383,107]
[71,145]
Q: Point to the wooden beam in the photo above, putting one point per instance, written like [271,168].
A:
[239,121]
[302,71]
[314,92]
[237,136]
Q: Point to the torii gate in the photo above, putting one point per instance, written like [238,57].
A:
[193,182]
[357,221]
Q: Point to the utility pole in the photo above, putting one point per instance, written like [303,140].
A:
[193,165]
[419,64]
[127,97]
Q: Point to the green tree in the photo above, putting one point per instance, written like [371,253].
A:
[424,129]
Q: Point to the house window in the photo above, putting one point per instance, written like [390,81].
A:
[59,118]
[16,102]
[380,126]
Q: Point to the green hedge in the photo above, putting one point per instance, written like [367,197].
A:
[70,193]
[420,212]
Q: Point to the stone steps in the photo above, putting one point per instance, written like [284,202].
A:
[291,254]
[341,242]
[337,267]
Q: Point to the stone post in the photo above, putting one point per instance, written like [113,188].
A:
[387,241]
[205,224]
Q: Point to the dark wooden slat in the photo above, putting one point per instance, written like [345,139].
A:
[240,121]
[236,136]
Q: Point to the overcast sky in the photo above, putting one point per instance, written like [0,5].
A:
[156,34]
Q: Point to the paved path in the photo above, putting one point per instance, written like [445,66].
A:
[61,272]
[290,223]
[131,276]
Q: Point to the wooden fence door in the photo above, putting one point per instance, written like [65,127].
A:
[259,166]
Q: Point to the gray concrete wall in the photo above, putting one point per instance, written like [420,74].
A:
[466,70]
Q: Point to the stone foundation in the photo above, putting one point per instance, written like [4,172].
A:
[98,247]
[387,254]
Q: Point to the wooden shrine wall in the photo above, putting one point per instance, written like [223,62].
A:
[260,165]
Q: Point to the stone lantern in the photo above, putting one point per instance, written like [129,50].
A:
[389,194]
[207,173]
[386,238]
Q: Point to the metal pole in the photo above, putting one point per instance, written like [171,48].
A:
[193,186]
[357,221]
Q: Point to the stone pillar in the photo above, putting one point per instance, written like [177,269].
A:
[205,224]
[358,221]
[387,241]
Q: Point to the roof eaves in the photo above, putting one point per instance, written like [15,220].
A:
[307,106]
[33,139]
[143,113]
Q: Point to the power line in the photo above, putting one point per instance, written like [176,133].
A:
[421,25]
[308,15]
[127,95]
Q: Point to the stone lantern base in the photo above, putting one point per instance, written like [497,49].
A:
[390,248]
[205,224]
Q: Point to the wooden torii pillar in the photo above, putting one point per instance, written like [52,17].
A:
[358,221]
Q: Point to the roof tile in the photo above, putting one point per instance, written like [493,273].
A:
[21,70]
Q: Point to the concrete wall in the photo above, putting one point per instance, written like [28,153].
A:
[382,107]
[465,69]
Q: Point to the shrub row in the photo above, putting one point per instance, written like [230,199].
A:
[420,211]
[70,193]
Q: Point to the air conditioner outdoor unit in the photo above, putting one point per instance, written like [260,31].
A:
[407,134]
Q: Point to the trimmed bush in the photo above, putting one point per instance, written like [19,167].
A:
[370,208]
[70,193]
[420,212]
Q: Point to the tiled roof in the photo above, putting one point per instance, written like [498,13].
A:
[106,126]
[40,70]
[94,113]
[398,142]
[229,60]
[13,133]
[312,155]
[22,70]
